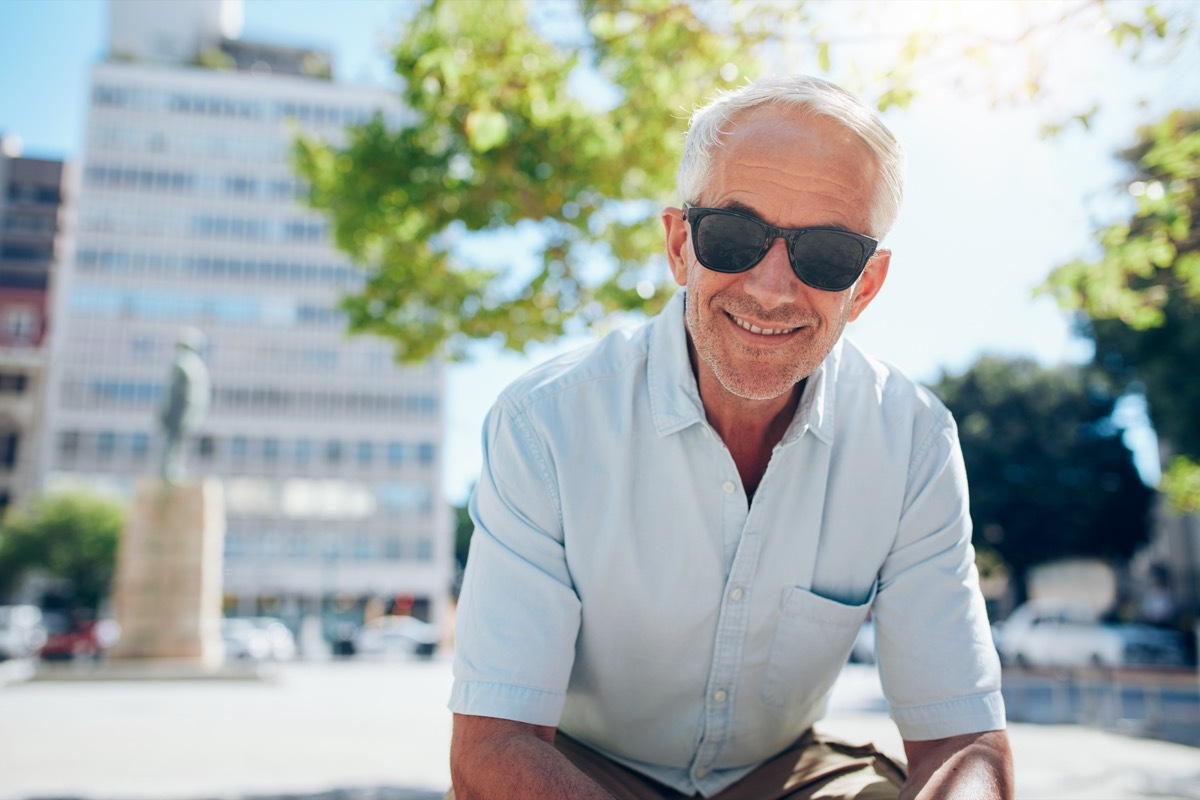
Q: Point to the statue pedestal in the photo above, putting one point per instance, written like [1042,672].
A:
[167,592]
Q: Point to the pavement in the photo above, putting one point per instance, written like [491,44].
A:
[379,730]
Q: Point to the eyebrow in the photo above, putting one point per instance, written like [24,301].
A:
[737,205]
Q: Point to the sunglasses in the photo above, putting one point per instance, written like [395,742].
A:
[830,259]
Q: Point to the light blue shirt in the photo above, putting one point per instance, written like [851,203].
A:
[621,588]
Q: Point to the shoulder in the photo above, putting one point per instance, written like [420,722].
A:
[596,369]
[882,383]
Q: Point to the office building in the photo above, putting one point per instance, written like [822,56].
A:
[189,216]
[31,228]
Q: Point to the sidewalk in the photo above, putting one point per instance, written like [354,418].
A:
[380,731]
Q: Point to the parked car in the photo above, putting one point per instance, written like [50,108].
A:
[257,639]
[22,633]
[283,642]
[1061,634]
[68,638]
[397,635]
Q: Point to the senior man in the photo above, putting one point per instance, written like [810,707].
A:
[680,529]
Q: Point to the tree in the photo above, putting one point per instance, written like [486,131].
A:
[565,122]
[1049,475]
[1140,302]
[499,138]
[70,536]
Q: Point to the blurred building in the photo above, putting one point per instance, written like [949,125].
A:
[31,211]
[189,215]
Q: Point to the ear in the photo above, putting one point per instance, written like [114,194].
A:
[676,230]
[870,283]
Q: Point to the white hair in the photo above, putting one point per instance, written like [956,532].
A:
[813,97]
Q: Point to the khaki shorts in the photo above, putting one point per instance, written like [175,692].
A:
[814,768]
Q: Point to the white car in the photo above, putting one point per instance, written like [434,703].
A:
[257,639]
[1049,633]
[22,631]
[397,635]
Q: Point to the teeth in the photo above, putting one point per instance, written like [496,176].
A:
[756,329]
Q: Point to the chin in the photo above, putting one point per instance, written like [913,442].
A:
[753,387]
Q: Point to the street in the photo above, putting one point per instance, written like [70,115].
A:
[363,730]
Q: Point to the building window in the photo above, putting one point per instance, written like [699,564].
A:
[68,443]
[425,453]
[392,548]
[424,549]
[106,444]
[395,453]
[303,451]
[139,444]
[21,324]
[9,441]
[206,446]
[362,548]
[270,449]
[366,453]
[12,382]
[333,451]
[239,446]
[301,546]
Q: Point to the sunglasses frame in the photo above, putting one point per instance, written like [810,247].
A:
[694,214]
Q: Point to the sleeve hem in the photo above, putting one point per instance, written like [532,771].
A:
[507,701]
[962,715]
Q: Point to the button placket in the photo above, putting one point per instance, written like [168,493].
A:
[727,652]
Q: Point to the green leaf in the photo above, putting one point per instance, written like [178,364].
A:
[486,129]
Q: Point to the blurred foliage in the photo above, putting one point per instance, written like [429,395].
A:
[215,58]
[1050,475]
[69,536]
[500,134]
[566,120]
[1140,302]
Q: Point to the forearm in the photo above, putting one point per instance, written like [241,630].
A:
[498,761]
[972,767]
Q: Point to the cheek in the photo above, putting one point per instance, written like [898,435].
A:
[704,284]
[836,308]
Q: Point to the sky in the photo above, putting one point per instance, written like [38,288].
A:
[991,207]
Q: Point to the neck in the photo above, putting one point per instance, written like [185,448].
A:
[750,429]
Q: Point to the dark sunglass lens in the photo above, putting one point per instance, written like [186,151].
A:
[828,259]
[728,244]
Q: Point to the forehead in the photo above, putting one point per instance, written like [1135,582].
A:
[794,170]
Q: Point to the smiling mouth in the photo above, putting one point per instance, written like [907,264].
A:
[761,331]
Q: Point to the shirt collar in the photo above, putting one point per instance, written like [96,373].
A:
[675,398]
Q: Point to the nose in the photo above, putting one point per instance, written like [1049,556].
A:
[771,281]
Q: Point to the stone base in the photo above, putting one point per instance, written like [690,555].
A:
[167,591]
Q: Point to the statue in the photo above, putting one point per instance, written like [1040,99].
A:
[168,584]
[186,402]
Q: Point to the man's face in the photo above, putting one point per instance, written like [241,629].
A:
[793,173]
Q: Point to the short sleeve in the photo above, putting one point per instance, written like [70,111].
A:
[518,612]
[937,662]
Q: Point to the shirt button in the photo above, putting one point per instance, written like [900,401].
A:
[719,695]
[701,772]
[729,487]
[736,594]
[704,432]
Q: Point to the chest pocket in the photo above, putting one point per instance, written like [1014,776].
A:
[812,641]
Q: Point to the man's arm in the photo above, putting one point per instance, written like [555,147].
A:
[976,766]
[495,759]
